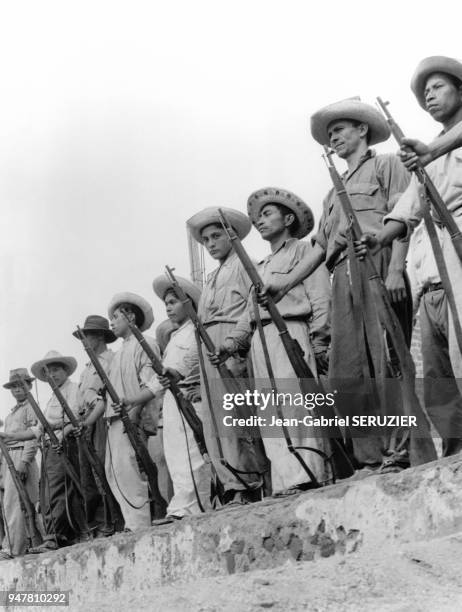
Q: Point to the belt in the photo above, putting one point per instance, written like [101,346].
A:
[10,448]
[212,323]
[264,322]
[111,419]
[432,287]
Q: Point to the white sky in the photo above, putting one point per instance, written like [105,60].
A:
[119,120]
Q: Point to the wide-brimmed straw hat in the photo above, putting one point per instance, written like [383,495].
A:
[132,298]
[275,195]
[161,284]
[18,375]
[427,67]
[97,323]
[208,216]
[69,363]
[355,110]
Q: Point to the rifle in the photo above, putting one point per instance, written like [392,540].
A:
[425,451]
[431,191]
[27,507]
[342,467]
[54,441]
[184,405]
[138,445]
[85,447]
[229,381]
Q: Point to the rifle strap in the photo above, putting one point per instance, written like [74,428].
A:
[441,265]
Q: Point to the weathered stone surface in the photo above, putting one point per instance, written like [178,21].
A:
[378,511]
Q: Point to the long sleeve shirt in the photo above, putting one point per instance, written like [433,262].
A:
[22,417]
[90,383]
[181,354]
[446,174]
[374,186]
[54,412]
[225,294]
[130,370]
[308,300]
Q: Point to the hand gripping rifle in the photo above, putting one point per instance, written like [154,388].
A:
[138,445]
[431,191]
[184,405]
[425,450]
[27,507]
[229,381]
[54,441]
[85,448]
[341,464]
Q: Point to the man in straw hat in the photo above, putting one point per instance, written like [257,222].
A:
[130,373]
[62,511]
[22,453]
[99,335]
[437,85]
[189,473]
[282,219]
[222,302]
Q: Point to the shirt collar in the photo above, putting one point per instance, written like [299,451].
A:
[287,242]
[369,154]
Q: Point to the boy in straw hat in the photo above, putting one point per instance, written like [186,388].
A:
[130,372]
[184,460]
[61,507]
[283,219]
[22,453]
[98,335]
[222,302]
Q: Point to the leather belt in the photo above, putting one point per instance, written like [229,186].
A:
[264,322]
[10,448]
[111,419]
[432,287]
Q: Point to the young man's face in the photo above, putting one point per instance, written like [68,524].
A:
[94,338]
[119,323]
[18,392]
[58,373]
[272,223]
[216,241]
[442,98]
[175,310]
[345,137]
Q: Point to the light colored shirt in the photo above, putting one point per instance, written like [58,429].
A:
[308,300]
[130,370]
[446,174]
[225,294]
[374,186]
[90,383]
[54,412]
[181,354]
[22,417]
[423,270]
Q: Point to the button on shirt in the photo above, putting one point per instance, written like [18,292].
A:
[446,174]
[22,417]
[181,354]
[225,294]
[309,299]
[374,186]
[54,412]
[130,370]
[90,383]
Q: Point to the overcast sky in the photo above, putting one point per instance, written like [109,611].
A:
[119,120]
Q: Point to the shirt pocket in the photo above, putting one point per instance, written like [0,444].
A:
[363,195]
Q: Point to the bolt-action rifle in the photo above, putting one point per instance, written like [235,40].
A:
[424,450]
[138,445]
[341,464]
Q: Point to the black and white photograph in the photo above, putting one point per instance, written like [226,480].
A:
[231,314]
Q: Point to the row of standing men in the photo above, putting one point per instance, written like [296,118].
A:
[312,285]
